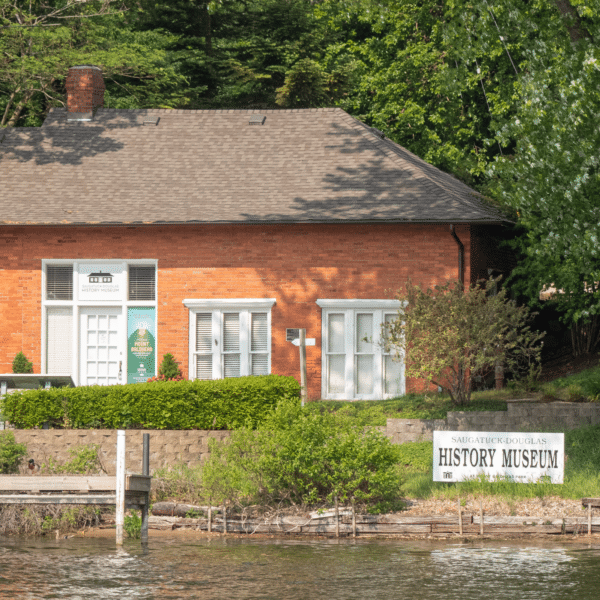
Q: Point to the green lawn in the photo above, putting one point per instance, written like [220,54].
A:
[584,386]
[582,473]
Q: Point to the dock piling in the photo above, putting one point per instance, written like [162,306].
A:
[120,486]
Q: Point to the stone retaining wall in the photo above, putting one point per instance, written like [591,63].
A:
[520,416]
[166,447]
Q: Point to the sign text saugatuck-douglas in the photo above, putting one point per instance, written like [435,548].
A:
[523,457]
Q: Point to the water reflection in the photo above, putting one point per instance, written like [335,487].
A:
[221,568]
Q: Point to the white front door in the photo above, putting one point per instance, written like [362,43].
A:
[102,335]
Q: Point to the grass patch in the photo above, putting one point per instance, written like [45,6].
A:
[411,406]
[583,386]
[582,473]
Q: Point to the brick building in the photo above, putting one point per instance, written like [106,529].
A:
[127,234]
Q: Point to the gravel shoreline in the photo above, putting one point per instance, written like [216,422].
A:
[549,507]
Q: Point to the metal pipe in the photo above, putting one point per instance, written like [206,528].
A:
[146,455]
[461,256]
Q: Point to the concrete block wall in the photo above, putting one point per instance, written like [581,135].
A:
[166,447]
[520,416]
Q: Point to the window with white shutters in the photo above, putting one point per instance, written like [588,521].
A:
[259,343]
[356,364]
[229,341]
[59,282]
[204,348]
[142,283]
[59,340]
[231,345]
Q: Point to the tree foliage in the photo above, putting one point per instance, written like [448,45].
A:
[21,364]
[505,95]
[449,335]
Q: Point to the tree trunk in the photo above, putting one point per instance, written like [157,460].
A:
[585,336]
[19,109]
[575,28]
[205,27]
[8,106]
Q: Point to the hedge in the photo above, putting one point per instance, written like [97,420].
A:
[218,404]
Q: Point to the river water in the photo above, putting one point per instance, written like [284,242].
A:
[226,568]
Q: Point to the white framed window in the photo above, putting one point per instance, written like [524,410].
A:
[88,308]
[355,363]
[229,337]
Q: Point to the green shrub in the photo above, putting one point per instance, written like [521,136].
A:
[298,456]
[21,364]
[169,370]
[219,404]
[11,453]
[84,461]
[133,525]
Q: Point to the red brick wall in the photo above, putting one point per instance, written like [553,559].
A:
[85,89]
[296,264]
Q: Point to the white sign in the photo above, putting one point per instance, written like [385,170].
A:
[101,281]
[523,457]
[309,341]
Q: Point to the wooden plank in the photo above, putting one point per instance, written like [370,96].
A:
[56,499]
[595,502]
[56,483]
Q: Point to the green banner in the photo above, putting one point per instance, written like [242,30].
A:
[141,347]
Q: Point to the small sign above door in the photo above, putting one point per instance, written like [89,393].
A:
[101,281]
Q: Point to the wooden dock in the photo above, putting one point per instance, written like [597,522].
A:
[123,491]
[72,489]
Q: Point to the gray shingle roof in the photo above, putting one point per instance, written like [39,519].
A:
[212,166]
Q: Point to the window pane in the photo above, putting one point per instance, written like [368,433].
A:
[141,283]
[204,366]
[364,329]
[336,370]
[231,365]
[204,332]
[231,332]
[393,373]
[335,329]
[389,319]
[364,374]
[260,364]
[59,341]
[259,341]
[59,282]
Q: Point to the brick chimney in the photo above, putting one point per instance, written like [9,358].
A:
[85,92]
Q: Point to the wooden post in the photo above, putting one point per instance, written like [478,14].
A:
[3,390]
[353,520]
[146,472]
[120,487]
[460,527]
[303,372]
[480,516]
[337,518]
[224,518]
[589,518]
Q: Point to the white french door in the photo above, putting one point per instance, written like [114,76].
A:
[101,346]
[356,365]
